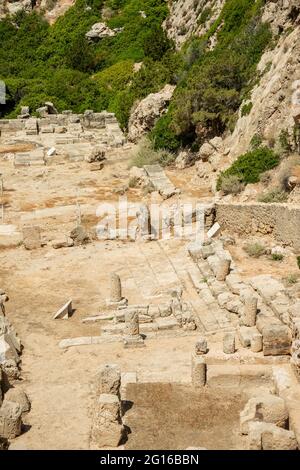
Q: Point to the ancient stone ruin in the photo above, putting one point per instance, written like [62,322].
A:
[156,307]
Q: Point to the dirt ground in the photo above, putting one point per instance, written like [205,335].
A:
[211,418]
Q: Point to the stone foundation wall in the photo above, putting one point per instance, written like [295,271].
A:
[89,120]
[279,220]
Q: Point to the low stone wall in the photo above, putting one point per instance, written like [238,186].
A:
[88,120]
[282,221]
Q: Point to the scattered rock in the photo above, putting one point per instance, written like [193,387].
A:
[99,31]
[62,243]
[79,236]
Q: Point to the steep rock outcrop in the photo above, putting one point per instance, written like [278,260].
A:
[273,99]
[146,113]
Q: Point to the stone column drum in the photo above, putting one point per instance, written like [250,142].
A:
[115,288]
[250,310]
[132,337]
[229,343]
[223,269]
[199,371]
[132,327]
[257,343]
[116,298]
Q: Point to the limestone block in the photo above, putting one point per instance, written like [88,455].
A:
[10,420]
[268,408]
[214,230]
[7,349]
[14,395]
[245,335]
[278,439]
[62,243]
[267,436]
[256,343]
[229,343]
[207,251]
[201,346]
[65,311]
[277,340]
[31,237]
[133,342]
[107,429]
[108,380]
[10,368]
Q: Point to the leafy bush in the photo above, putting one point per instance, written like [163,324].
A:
[246,109]
[231,184]
[274,195]
[248,167]
[255,250]
[277,257]
[163,136]
[147,155]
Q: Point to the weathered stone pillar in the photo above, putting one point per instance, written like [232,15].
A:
[115,288]
[10,420]
[256,343]
[199,371]
[108,380]
[132,337]
[250,311]
[199,366]
[107,429]
[223,269]
[229,343]
[116,298]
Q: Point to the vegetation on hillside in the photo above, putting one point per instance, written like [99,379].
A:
[249,167]
[215,82]
[39,62]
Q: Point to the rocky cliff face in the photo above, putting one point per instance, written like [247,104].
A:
[52,8]
[273,100]
[189,17]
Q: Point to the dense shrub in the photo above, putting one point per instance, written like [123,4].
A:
[231,184]
[274,195]
[255,250]
[145,154]
[246,109]
[250,166]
